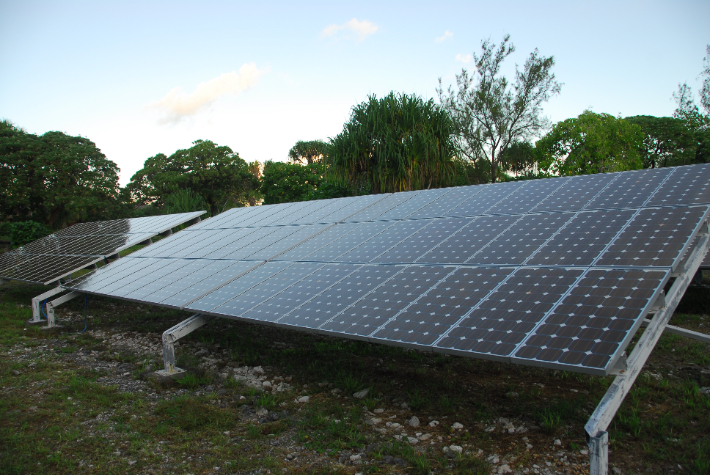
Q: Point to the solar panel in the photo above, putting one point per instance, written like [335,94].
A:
[556,273]
[59,255]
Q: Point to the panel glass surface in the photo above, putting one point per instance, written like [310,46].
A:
[583,239]
[587,329]
[529,195]
[686,186]
[576,192]
[357,236]
[302,291]
[366,315]
[383,242]
[517,244]
[334,300]
[504,318]
[442,306]
[459,247]
[412,205]
[301,233]
[240,304]
[654,238]
[630,189]
[481,202]
[381,207]
[238,286]
[412,248]
[451,200]
[357,204]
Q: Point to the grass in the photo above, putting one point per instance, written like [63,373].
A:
[664,421]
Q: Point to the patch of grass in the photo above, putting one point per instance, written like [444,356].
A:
[190,414]
[416,400]
[550,421]
[192,380]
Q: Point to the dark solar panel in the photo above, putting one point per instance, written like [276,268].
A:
[686,186]
[442,306]
[450,201]
[383,241]
[422,199]
[576,192]
[526,197]
[382,206]
[412,248]
[630,189]
[588,327]
[481,202]
[344,244]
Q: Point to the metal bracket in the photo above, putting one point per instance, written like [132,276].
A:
[147,242]
[599,421]
[704,337]
[172,335]
[37,301]
[621,366]
[169,232]
[57,302]
[659,303]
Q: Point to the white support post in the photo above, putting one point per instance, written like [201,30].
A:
[51,322]
[37,301]
[172,335]
[596,427]
[704,337]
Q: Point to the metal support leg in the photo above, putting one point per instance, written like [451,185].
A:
[57,302]
[705,338]
[173,334]
[599,421]
[37,301]
[599,454]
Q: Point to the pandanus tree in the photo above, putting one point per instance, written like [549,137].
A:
[397,143]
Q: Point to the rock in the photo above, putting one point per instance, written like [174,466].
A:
[262,411]
[511,395]
[457,426]
[504,469]
[355,457]
[412,440]
[404,405]
[373,421]
[457,449]
[493,459]
[705,391]
[15,372]
[424,437]
[558,442]
[433,423]
[336,391]
[303,399]
[266,384]
[257,370]
[378,411]
[616,470]
[414,421]
[394,425]
[361,394]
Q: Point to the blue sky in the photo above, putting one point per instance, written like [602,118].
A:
[139,78]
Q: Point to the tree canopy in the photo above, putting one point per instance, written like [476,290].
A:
[308,152]
[590,143]
[666,141]
[214,172]
[489,113]
[56,179]
[396,143]
[286,182]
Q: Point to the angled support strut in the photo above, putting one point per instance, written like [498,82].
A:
[173,334]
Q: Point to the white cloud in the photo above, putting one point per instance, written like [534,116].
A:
[464,58]
[177,104]
[352,28]
[447,35]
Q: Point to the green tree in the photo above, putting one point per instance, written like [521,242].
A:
[55,179]
[287,182]
[214,172]
[590,143]
[396,143]
[667,141]
[521,159]
[489,113]
[308,152]
[686,109]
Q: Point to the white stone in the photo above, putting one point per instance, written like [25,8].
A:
[504,469]
[413,422]
[266,384]
[378,411]
[456,448]
[457,426]
[494,459]
[433,423]
[558,442]
[373,421]
[424,437]
[361,394]
[303,399]
[412,440]
[355,457]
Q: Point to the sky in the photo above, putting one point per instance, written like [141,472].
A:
[148,77]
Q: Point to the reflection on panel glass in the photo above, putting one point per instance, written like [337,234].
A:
[686,186]
[528,196]
[630,189]
[576,192]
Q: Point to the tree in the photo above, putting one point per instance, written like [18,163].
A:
[521,159]
[686,109]
[308,152]
[214,172]
[287,182]
[489,114]
[56,179]
[396,143]
[590,143]
[666,141]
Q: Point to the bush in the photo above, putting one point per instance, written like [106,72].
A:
[24,232]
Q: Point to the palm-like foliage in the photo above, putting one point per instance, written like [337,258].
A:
[396,143]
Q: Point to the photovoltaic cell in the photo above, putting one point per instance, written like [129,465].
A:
[459,247]
[381,207]
[334,300]
[414,204]
[354,205]
[443,305]
[481,202]
[377,307]
[516,244]
[357,236]
[301,233]
[654,238]
[526,197]
[302,291]
[629,189]
[686,186]
[588,327]
[383,241]
[503,319]
[583,239]
[412,248]
[450,201]
[576,192]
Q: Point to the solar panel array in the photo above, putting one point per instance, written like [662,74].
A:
[61,254]
[557,272]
